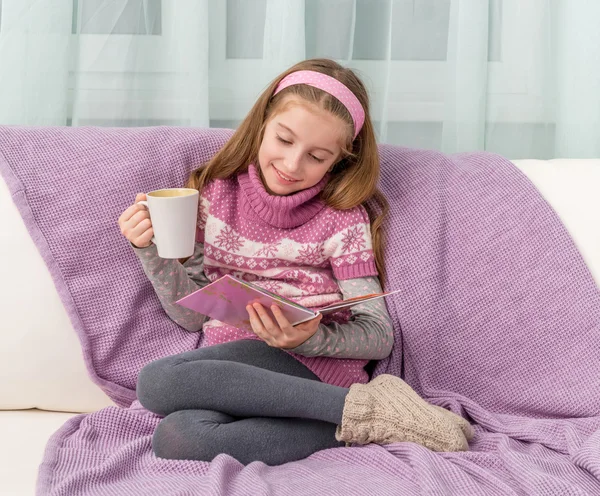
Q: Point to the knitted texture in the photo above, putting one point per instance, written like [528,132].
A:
[387,410]
[498,320]
[292,245]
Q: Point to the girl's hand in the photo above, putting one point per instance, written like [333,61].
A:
[135,224]
[280,334]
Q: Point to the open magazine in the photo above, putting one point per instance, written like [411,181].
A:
[226,300]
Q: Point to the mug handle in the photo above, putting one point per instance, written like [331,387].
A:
[145,203]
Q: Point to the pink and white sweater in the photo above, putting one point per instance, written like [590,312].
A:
[292,245]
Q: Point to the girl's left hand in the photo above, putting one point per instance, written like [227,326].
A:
[280,334]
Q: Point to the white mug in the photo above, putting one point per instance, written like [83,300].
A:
[173,213]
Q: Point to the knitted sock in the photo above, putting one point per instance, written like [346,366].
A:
[464,425]
[387,410]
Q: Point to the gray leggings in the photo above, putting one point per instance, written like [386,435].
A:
[242,398]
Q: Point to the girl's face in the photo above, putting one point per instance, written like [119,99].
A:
[300,145]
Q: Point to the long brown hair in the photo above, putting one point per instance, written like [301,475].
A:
[353,180]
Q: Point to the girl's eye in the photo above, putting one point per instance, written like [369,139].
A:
[286,142]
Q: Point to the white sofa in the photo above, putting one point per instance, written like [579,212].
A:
[44,380]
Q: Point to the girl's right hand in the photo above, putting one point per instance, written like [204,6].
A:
[135,224]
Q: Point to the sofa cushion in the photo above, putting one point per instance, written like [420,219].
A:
[39,349]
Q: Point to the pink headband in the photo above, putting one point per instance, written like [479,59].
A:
[331,86]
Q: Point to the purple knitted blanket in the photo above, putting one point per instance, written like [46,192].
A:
[498,319]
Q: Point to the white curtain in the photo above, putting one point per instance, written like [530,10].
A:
[517,77]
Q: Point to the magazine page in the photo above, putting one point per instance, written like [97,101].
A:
[351,302]
[226,300]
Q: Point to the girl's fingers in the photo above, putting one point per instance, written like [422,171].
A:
[256,324]
[135,223]
[266,320]
[137,218]
[131,211]
[136,226]
[128,213]
[144,239]
[285,325]
[280,318]
[140,229]
[254,318]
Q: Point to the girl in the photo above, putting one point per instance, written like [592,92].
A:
[283,205]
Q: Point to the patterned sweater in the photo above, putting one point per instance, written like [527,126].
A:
[295,246]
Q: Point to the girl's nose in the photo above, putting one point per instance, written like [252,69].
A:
[292,162]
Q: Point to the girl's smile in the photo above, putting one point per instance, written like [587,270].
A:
[285,179]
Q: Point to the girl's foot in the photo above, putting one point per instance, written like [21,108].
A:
[387,410]
[464,425]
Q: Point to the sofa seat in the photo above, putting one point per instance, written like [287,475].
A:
[24,434]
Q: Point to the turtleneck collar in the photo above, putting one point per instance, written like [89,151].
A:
[280,211]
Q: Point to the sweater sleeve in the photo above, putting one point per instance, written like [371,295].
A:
[368,335]
[172,280]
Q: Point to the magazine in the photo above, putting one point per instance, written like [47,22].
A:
[226,299]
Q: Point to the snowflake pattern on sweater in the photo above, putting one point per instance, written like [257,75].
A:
[294,245]
[304,260]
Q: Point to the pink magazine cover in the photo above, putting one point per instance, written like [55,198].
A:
[226,300]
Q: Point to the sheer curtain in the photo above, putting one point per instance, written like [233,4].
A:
[517,77]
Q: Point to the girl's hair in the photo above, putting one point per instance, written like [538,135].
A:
[353,180]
